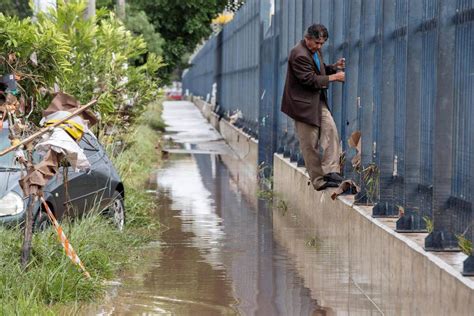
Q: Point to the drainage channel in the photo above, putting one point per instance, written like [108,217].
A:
[217,254]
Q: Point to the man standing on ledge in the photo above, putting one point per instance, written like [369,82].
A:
[305,101]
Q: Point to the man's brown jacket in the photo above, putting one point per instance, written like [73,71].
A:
[305,86]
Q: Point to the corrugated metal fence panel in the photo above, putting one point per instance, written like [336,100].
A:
[463,168]
[385,138]
[240,60]
[428,71]
[282,65]
[352,79]
[401,22]
[200,77]
[366,78]
[339,34]
[377,75]
[428,86]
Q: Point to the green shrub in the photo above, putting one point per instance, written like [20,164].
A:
[87,58]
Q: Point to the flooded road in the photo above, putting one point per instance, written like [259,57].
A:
[216,254]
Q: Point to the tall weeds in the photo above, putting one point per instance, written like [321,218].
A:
[51,280]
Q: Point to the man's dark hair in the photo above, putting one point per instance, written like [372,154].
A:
[317,31]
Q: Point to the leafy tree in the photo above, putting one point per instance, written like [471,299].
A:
[138,23]
[20,8]
[182,24]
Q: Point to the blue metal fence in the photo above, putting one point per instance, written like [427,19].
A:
[409,89]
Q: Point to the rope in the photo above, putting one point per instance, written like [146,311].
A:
[70,252]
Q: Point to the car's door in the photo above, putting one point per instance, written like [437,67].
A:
[100,171]
[82,190]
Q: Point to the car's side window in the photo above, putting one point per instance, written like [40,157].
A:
[91,147]
[89,143]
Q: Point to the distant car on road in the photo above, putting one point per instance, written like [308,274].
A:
[99,188]
[174,95]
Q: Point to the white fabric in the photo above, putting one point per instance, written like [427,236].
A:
[60,142]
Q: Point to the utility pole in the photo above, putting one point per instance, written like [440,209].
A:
[90,12]
[43,6]
[121,9]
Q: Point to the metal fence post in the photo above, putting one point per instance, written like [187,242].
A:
[412,216]
[443,235]
[267,141]
[386,137]
[366,82]
[351,85]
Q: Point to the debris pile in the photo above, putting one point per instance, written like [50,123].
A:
[63,124]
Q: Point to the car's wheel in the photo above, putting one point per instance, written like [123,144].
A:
[41,222]
[116,211]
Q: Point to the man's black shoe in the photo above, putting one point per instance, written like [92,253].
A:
[333,177]
[328,184]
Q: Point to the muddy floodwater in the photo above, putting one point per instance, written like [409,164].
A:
[217,254]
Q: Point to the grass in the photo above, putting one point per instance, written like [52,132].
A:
[429,224]
[51,280]
[465,245]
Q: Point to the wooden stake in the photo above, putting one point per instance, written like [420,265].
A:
[28,233]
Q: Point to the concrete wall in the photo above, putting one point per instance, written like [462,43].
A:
[244,169]
[361,260]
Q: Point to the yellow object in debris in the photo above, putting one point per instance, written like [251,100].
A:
[15,142]
[75,130]
[223,18]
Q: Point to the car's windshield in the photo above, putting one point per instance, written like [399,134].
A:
[8,160]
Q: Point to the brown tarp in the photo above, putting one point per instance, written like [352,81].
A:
[38,175]
[65,102]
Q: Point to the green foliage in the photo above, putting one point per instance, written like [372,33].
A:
[182,24]
[282,205]
[87,58]
[138,23]
[20,8]
[429,224]
[265,194]
[465,245]
[370,175]
[51,277]
[103,50]
[37,53]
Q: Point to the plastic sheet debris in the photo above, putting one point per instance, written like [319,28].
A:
[38,175]
[61,142]
[346,187]
[356,143]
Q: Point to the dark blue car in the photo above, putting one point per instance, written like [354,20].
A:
[99,189]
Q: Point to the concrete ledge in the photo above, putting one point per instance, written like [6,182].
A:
[387,271]
[244,165]
[361,265]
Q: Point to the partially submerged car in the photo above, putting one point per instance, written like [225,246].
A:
[69,193]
